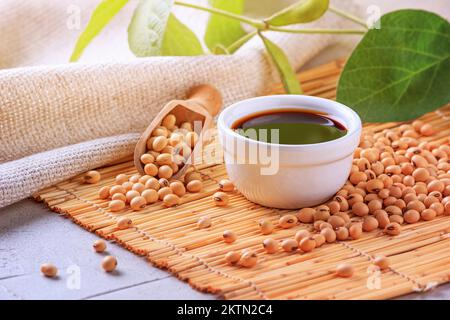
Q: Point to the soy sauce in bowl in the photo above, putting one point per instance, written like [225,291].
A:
[289,126]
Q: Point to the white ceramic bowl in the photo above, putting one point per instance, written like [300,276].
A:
[306,174]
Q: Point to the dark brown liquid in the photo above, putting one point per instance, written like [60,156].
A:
[294,126]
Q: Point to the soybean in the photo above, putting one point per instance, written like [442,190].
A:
[121,178]
[226,185]
[150,196]
[119,196]
[91,177]
[138,203]
[270,245]
[355,231]
[344,270]
[301,234]
[289,245]
[109,263]
[124,223]
[131,195]
[428,214]
[370,223]
[178,188]
[171,200]
[393,229]
[266,226]
[204,222]
[341,233]
[287,221]
[194,186]
[116,205]
[329,234]
[306,215]
[49,270]
[229,236]
[232,257]
[103,193]
[307,244]
[220,199]
[360,209]
[193,175]
[381,261]
[248,259]
[164,192]
[320,239]
[99,246]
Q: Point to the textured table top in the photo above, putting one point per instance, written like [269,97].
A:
[30,235]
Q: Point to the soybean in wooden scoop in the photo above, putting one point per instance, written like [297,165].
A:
[169,145]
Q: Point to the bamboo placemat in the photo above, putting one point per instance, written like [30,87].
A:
[168,237]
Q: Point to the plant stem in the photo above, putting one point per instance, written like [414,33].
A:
[260,25]
[348,16]
[316,31]
[255,23]
[239,42]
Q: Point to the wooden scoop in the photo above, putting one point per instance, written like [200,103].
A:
[202,104]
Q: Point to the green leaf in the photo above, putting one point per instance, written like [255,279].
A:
[287,74]
[147,27]
[220,50]
[101,16]
[262,8]
[400,71]
[154,31]
[300,12]
[222,31]
[179,40]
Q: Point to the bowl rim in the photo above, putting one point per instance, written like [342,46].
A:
[302,99]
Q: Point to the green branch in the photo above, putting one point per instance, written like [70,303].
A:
[316,31]
[348,16]
[239,42]
[253,22]
[262,26]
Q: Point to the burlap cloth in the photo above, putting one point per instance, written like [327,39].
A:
[58,119]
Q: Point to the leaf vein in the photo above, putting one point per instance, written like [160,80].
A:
[425,54]
[380,67]
[400,80]
[402,94]
[418,30]
[433,77]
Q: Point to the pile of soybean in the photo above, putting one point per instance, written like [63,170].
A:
[394,180]
[168,149]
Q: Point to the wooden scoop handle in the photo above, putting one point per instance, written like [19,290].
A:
[206,96]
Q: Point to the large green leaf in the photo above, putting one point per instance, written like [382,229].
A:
[222,31]
[287,74]
[179,40]
[147,27]
[102,14]
[300,12]
[155,31]
[400,71]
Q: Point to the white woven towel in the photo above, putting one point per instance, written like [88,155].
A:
[84,112]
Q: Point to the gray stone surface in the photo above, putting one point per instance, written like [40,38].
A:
[30,234]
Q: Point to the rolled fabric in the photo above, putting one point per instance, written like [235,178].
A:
[21,178]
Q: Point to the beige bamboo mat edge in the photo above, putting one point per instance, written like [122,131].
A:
[420,255]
